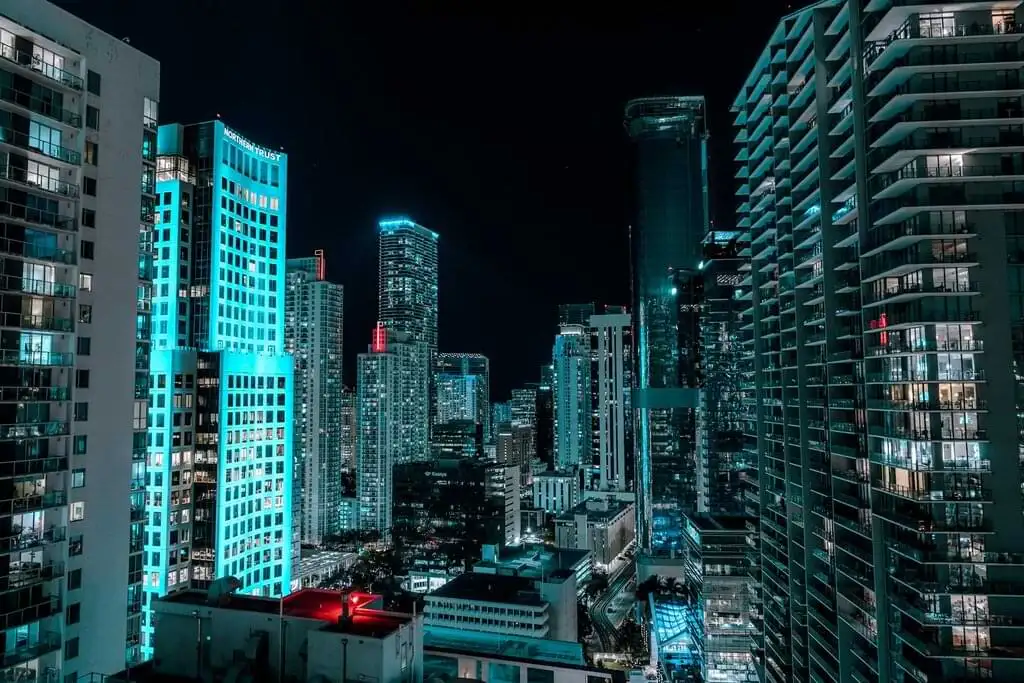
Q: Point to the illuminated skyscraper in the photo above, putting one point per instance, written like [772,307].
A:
[572,398]
[219,475]
[670,145]
[348,428]
[611,347]
[407,280]
[313,337]
[76,255]
[462,388]
[501,411]
[378,439]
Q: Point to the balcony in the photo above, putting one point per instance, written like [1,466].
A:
[24,574]
[881,54]
[31,648]
[32,64]
[26,607]
[908,292]
[33,503]
[39,105]
[36,322]
[23,394]
[47,148]
[32,216]
[30,539]
[35,181]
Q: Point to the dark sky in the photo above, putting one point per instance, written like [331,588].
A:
[496,125]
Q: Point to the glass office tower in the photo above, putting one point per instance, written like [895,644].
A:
[219,466]
[462,388]
[407,280]
[313,338]
[881,187]
[670,148]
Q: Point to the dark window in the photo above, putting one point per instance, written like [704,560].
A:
[89,218]
[74,613]
[92,153]
[92,82]
[71,645]
[74,579]
[84,346]
[88,249]
[81,412]
[92,117]
[81,444]
[82,379]
[89,188]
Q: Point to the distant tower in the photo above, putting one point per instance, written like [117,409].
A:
[378,413]
[670,147]
[313,336]
[572,393]
[407,280]
[612,351]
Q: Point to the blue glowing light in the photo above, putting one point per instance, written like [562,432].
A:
[675,290]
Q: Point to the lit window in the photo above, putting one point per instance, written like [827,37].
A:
[77,513]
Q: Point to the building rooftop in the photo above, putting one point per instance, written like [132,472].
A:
[724,524]
[313,603]
[504,646]
[594,512]
[481,587]
[316,561]
[532,560]
[553,474]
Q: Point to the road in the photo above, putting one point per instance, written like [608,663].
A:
[603,626]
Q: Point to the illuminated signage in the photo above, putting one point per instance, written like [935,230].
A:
[379,341]
[255,149]
[321,264]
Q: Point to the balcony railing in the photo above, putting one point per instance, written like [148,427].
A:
[47,148]
[38,105]
[30,61]
[21,176]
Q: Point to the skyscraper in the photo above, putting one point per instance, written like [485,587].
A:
[313,337]
[378,417]
[879,188]
[407,280]
[219,466]
[612,352]
[462,390]
[74,352]
[670,149]
[572,399]
[501,411]
[575,314]
[348,428]
[407,309]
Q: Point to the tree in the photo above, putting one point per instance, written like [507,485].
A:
[647,587]
[584,624]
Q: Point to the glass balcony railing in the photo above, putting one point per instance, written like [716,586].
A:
[39,105]
[30,61]
[21,176]
[28,649]
[47,148]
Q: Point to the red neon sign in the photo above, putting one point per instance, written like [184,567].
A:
[379,340]
[321,264]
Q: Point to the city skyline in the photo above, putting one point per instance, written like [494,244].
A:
[496,187]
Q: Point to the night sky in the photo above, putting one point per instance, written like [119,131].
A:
[498,127]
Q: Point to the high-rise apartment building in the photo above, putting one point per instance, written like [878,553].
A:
[611,348]
[462,388]
[501,411]
[76,257]
[407,280]
[413,359]
[219,466]
[313,338]
[348,428]
[669,139]
[572,399]
[378,417]
[880,168]
[576,314]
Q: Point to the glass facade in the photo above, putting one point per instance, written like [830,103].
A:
[407,280]
[670,169]
[462,388]
[219,461]
[573,417]
[378,435]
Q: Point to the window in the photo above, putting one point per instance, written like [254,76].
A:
[92,153]
[74,579]
[92,117]
[75,545]
[77,511]
[88,249]
[81,411]
[74,613]
[150,112]
[81,444]
[92,82]
[84,346]
[89,218]
[84,313]
[85,282]
[71,646]
[89,188]
[78,478]
[82,379]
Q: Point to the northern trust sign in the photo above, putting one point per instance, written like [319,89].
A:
[251,147]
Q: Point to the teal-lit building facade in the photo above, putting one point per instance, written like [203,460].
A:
[219,463]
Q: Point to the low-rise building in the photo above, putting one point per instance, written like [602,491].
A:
[535,561]
[604,526]
[556,492]
[317,566]
[505,604]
